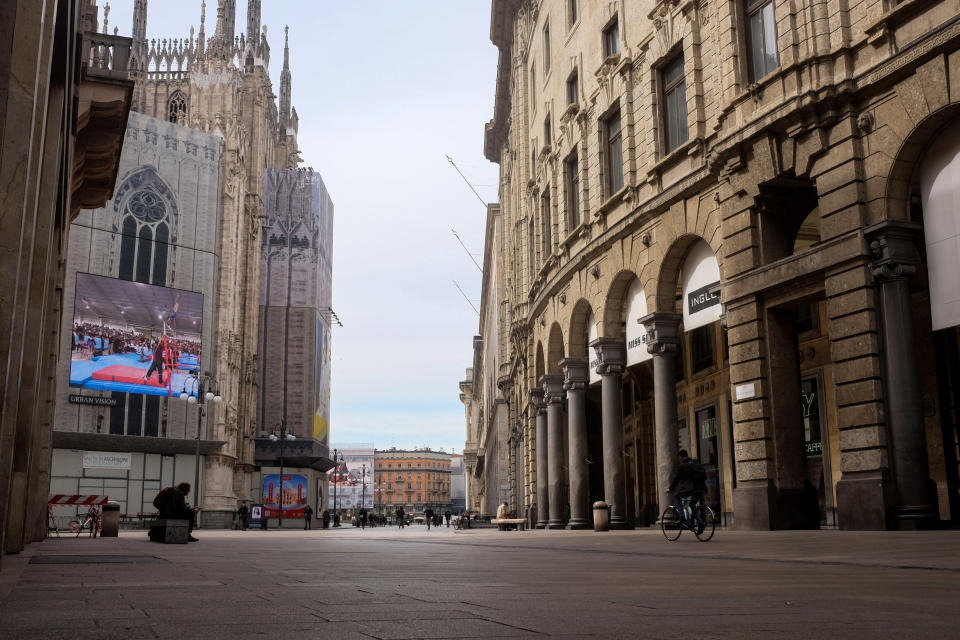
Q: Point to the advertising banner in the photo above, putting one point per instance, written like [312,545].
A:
[636,332]
[293,492]
[348,486]
[134,337]
[106,460]
[701,286]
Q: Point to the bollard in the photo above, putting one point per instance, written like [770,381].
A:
[110,524]
[601,516]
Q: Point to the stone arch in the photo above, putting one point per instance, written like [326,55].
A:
[579,328]
[668,280]
[554,349]
[613,308]
[906,165]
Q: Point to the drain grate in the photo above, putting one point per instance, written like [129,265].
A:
[92,559]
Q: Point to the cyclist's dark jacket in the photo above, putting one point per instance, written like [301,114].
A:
[690,476]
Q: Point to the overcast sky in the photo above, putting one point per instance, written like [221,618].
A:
[384,90]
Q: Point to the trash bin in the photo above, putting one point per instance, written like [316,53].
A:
[601,516]
[110,524]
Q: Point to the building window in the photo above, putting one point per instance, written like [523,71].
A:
[177,108]
[701,348]
[674,104]
[547,224]
[571,169]
[611,39]
[533,88]
[546,48]
[573,88]
[547,137]
[571,12]
[531,248]
[614,153]
[761,38]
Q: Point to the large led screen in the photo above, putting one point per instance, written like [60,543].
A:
[134,337]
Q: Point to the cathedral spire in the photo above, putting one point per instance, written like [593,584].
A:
[229,22]
[202,39]
[253,24]
[285,82]
[140,32]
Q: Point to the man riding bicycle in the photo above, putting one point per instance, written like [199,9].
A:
[689,482]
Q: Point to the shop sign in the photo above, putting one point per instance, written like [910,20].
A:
[814,448]
[701,283]
[636,332]
[76,398]
[105,460]
[745,391]
[592,376]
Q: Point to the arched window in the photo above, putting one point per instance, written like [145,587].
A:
[177,107]
[143,247]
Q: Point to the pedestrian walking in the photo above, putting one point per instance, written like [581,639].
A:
[307,518]
[363,517]
[243,513]
[326,518]
[447,516]
[400,517]
[428,516]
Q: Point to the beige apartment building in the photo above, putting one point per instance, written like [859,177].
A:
[730,227]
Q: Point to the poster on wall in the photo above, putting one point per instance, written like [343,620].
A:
[293,492]
[351,482]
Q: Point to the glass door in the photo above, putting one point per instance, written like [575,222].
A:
[708,452]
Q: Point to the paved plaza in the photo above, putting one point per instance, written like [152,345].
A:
[391,584]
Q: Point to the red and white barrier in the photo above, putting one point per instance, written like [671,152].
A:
[76,501]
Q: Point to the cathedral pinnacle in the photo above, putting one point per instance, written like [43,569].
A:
[285,81]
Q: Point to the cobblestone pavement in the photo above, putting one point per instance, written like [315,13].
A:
[388,583]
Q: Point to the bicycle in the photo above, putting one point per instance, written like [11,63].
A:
[90,521]
[672,522]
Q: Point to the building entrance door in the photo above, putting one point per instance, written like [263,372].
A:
[708,453]
[813,445]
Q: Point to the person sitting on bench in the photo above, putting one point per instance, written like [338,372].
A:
[503,513]
[172,504]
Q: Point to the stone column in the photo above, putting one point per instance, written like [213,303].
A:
[663,341]
[892,245]
[575,382]
[543,477]
[553,397]
[612,357]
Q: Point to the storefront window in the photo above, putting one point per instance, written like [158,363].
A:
[709,454]
[813,440]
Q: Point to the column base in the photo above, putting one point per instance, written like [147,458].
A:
[864,502]
[541,525]
[579,524]
[754,506]
[216,519]
[556,524]
[619,524]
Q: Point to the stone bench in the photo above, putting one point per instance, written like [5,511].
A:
[170,531]
[502,523]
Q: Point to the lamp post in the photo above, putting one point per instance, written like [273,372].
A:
[336,503]
[281,437]
[196,390]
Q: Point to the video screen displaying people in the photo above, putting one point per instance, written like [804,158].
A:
[134,337]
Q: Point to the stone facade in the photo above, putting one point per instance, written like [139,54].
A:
[198,89]
[416,480]
[718,207]
[64,100]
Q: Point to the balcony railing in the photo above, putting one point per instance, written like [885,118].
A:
[107,56]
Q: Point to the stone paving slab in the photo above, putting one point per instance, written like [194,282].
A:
[391,584]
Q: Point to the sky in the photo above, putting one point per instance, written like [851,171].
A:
[385,89]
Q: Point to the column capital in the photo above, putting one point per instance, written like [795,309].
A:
[575,373]
[611,355]
[552,384]
[536,400]
[663,332]
[893,249]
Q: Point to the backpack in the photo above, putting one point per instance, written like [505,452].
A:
[163,499]
[697,472]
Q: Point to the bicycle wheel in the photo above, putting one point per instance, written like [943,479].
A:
[671,523]
[705,531]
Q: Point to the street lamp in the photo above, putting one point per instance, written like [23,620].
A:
[281,437]
[196,390]
[336,503]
